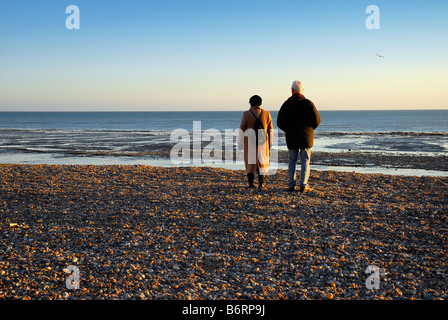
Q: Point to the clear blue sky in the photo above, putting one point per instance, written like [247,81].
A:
[213,55]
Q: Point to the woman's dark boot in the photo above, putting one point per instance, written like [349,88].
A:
[250,179]
[261,181]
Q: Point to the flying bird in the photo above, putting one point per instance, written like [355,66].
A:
[380,55]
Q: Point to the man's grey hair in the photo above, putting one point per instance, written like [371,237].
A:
[297,86]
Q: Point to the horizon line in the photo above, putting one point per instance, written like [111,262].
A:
[323,109]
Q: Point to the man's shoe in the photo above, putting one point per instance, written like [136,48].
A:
[305,189]
[291,189]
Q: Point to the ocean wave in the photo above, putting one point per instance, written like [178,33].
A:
[381,133]
[165,132]
[80,130]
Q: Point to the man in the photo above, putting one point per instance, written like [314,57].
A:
[256,141]
[298,117]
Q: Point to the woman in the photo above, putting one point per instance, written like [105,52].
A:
[256,131]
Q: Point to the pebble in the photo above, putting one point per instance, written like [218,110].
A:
[139,232]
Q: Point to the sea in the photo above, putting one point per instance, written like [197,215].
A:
[100,138]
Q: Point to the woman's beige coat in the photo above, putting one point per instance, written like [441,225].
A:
[252,154]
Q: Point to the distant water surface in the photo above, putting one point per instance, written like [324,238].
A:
[332,121]
[35,137]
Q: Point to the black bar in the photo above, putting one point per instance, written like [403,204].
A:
[222,309]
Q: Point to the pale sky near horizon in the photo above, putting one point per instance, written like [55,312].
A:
[140,55]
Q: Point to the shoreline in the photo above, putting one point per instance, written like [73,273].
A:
[348,161]
[140,232]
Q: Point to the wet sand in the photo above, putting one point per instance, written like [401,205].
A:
[377,159]
[420,161]
[138,232]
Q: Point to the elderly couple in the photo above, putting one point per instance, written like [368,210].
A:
[298,117]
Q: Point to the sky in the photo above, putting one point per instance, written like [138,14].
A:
[155,55]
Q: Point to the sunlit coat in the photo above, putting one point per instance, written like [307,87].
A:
[256,159]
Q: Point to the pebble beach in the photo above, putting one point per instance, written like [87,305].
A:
[140,232]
